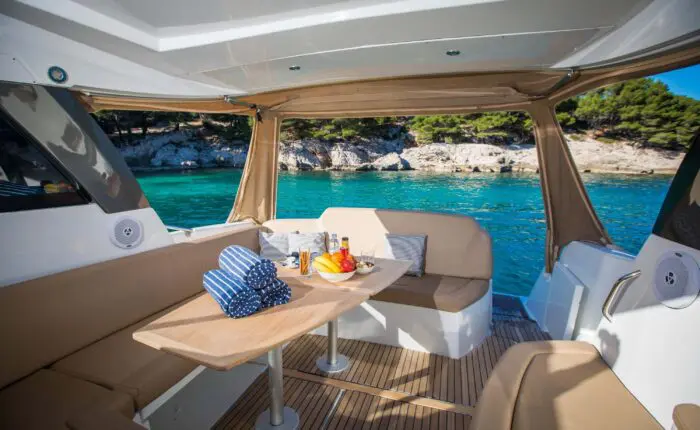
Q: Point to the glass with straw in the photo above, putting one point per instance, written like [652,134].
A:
[305,262]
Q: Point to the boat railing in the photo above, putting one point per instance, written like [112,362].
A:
[187,231]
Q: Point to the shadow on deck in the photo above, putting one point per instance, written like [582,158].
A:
[386,386]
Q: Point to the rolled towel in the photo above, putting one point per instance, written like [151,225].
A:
[275,293]
[235,297]
[244,264]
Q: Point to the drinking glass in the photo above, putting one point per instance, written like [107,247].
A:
[305,262]
[367,255]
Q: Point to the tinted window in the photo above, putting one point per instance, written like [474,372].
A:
[28,180]
[679,219]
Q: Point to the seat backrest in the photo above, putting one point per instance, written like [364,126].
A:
[456,244]
[290,225]
[45,319]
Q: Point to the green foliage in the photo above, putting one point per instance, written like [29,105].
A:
[342,128]
[642,110]
[439,128]
[501,125]
[230,127]
[496,127]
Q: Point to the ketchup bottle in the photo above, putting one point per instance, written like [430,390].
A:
[345,247]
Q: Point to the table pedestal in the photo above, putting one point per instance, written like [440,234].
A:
[332,362]
[278,417]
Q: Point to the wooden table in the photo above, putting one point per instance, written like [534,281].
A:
[199,331]
[385,273]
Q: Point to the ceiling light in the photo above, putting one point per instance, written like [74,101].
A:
[453,52]
[294,68]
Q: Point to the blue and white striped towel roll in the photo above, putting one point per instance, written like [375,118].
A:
[10,189]
[275,293]
[244,264]
[234,296]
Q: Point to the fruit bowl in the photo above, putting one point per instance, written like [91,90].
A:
[336,277]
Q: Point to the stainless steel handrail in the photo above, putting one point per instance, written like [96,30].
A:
[187,231]
[617,291]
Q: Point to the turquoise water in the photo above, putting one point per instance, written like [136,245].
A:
[508,206]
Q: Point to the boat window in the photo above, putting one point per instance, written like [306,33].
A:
[28,180]
[627,139]
[679,219]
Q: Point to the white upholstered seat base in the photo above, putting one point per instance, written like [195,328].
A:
[451,334]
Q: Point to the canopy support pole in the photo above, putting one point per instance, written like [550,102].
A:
[256,199]
[568,209]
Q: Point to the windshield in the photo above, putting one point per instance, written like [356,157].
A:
[679,219]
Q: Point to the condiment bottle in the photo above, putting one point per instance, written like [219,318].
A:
[345,246]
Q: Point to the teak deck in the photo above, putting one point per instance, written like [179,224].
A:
[386,386]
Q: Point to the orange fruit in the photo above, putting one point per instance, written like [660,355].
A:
[337,258]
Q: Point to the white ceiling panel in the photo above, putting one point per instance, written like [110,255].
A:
[498,18]
[512,52]
[177,13]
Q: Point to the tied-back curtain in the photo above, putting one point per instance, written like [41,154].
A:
[568,209]
[256,199]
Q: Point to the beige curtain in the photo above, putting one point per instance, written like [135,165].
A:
[256,199]
[568,209]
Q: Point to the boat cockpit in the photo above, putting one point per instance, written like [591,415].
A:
[109,320]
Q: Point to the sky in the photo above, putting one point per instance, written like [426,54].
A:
[685,82]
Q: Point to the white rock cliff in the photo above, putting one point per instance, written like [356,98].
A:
[181,150]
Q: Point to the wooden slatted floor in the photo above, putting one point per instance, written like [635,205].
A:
[386,386]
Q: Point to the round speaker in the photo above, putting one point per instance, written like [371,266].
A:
[676,279]
[127,233]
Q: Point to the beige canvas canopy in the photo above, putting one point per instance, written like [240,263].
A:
[569,212]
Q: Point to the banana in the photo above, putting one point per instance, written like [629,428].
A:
[325,265]
[332,268]
[323,268]
[327,261]
[320,267]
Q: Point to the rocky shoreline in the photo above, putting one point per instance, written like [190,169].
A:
[184,150]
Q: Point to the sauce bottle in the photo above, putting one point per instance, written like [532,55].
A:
[345,246]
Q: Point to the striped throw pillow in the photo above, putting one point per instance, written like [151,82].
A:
[408,247]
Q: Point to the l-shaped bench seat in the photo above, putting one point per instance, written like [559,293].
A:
[447,310]
[68,358]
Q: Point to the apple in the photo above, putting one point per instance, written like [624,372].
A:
[347,266]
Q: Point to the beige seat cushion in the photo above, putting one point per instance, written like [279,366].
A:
[557,385]
[445,293]
[120,363]
[686,416]
[47,400]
